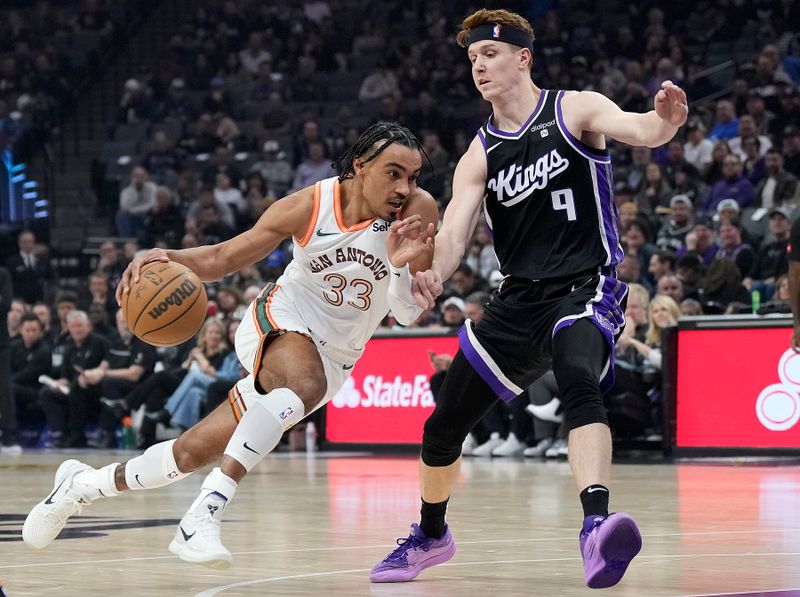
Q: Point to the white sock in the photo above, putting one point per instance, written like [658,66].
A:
[154,468]
[101,480]
[262,426]
[216,482]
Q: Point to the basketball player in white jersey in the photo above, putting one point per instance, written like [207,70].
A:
[299,340]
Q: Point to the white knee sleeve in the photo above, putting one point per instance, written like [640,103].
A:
[155,468]
[262,426]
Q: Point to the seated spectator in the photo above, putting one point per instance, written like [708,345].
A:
[254,54]
[772,260]
[713,173]
[662,263]
[206,198]
[676,160]
[185,404]
[722,286]
[464,281]
[439,160]
[30,358]
[697,148]
[453,312]
[746,130]
[726,125]
[690,271]
[162,160]
[66,301]
[277,116]
[791,144]
[733,248]
[99,293]
[670,285]
[732,186]
[201,136]
[629,270]
[780,302]
[700,241]
[135,201]
[222,163]
[378,84]
[314,168]
[29,269]
[230,135]
[778,188]
[672,235]
[70,402]
[17,309]
[128,363]
[178,106]
[480,255]
[231,304]
[753,166]
[226,194]
[655,191]
[164,222]
[276,171]
[111,263]
[218,102]
[135,105]
[690,308]
[686,183]
[636,239]
[45,315]
[211,227]
[663,312]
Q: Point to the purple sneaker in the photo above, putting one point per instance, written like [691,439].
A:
[608,544]
[415,553]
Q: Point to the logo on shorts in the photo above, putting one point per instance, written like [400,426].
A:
[286,413]
[171,475]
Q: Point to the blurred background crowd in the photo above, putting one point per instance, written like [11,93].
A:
[237,103]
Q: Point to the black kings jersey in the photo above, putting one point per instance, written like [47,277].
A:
[549,198]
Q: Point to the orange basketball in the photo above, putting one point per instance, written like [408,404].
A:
[168,304]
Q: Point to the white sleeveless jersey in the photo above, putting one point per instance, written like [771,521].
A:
[338,278]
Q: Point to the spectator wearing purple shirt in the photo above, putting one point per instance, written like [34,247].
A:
[732,186]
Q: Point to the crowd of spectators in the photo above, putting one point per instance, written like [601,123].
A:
[250,101]
[46,50]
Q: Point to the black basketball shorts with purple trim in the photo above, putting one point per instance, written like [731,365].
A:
[512,346]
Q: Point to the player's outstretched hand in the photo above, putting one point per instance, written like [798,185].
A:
[427,285]
[131,274]
[670,104]
[406,240]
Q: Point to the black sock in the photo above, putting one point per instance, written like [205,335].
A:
[432,519]
[594,500]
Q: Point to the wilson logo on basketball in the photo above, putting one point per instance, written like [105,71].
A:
[180,294]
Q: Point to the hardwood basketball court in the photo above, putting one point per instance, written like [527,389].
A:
[314,525]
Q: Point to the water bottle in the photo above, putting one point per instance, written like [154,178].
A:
[128,436]
[756,299]
[311,437]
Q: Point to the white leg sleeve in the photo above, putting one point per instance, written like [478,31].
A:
[154,468]
[262,426]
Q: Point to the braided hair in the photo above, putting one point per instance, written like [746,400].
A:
[368,146]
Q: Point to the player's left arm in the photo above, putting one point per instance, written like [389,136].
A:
[409,247]
[592,112]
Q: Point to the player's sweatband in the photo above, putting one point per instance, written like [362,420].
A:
[401,299]
[506,33]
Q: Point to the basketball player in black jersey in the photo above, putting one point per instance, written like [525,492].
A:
[539,172]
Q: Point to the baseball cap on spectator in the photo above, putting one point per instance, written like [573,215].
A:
[728,204]
[680,199]
[178,83]
[270,145]
[454,301]
[703,220]
[217,82]
[780,211]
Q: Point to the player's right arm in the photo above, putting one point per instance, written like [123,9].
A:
[288,217]
[460,217]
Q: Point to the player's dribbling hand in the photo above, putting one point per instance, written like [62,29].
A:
[670,104]
[131,274]
[426,286]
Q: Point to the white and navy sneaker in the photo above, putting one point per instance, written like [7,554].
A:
[197,538]
[49,516]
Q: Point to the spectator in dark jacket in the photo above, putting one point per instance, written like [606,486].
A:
[30,358]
